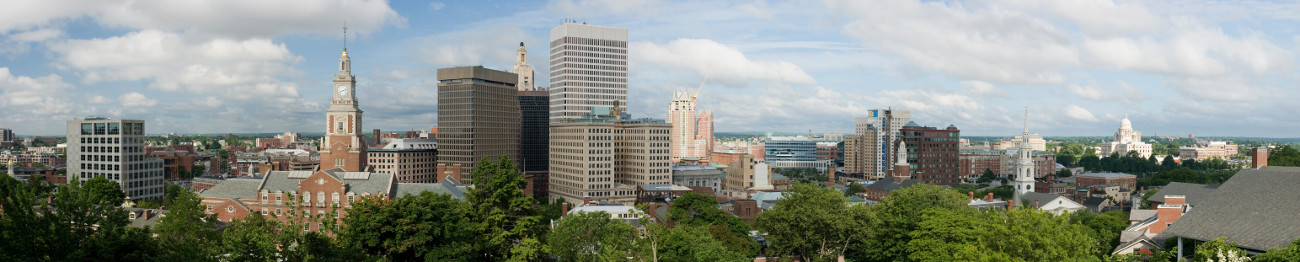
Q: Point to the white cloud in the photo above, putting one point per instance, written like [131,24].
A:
[31,103]
[492,47]
[988,45]
[135,99]
[1193,52]
[727,64]
[587,8]
[984,89]
[173,62]
[1094,17]
[435,6]
[98,99]
[237,18]
[36,35]
[1123,92]
[1079,113]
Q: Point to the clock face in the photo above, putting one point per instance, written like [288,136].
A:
[343,90]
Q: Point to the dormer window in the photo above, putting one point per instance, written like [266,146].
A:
[133,215]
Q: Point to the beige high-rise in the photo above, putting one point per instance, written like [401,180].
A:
[410,160]
[606,159]
[860,153]
[478,116]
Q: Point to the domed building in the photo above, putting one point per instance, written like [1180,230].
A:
[1126,140]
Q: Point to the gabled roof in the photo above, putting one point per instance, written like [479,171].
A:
[233,188]
[1141,214]
[1041,198]
[1195,192]
[1255,208]
[446,186]
[1094,201]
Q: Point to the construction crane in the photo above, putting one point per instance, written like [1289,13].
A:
[695,96]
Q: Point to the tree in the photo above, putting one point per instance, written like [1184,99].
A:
[698,210]
[1104,228]
[1288,253]
[506,216]
[1284,156]
[1219,250]
[186,231]
[896,216]
[252,238]
[814,223]
[591,236]
[1067,160]
[693,243]
[1063,173]
[987,177]
[967,234]
[853,189]
[1168,163]
[428,226]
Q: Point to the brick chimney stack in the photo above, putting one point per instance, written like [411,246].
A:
[564,209]
[1259,157]
[972,195]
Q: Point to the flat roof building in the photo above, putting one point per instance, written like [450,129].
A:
[478,117]
[114,149]
[588,69]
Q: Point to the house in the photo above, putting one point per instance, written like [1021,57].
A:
[1054,203]
[1143,234]
[1255,209]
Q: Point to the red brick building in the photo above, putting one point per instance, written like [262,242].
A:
[725,158]
[933,153]
[308,195]
[1125,181]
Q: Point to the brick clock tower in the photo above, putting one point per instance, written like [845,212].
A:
[343,146]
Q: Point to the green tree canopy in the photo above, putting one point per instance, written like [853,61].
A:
[897,215]
[592,236]
[428,226]
[814,223]
[507,218]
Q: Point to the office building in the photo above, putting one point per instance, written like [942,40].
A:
[932,153]
[793,152]
[410,160]
[606,155]
[114,149]
[7,135]
[698,176]
[478,117]
[535,128]
[692,132]
[882,125]
[588,68]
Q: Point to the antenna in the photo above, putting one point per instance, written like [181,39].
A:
[1026,120]
[345,36]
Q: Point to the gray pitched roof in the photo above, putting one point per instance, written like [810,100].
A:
[1094,201]
[1041,198]
[1141,214]
[446,186]
[1194,192]
[1255,208]
[233,188]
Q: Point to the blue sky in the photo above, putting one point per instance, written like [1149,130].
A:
[1215,68]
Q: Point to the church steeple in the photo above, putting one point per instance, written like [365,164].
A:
[1024,172]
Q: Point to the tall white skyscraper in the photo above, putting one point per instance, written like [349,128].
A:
[114,149]
[588,68]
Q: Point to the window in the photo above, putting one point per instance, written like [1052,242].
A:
[335,197]
[277,211]
[113,129]
[264,211]
[306,197]
[99,128]
[338,162]
[87,128]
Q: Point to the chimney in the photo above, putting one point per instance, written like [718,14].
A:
[1259,157]
[146,214]
[586,200]
[989,197]
[376,136]
[564,209]
[972,195]
[1036,206]
[830,174]
[1011,205]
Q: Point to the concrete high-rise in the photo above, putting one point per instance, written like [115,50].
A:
[478,117]
[343,146]
[692,133]
[882,125]
[410,160]
[605,156]
[933,153]
[588,68]
[861,153]
[114,149]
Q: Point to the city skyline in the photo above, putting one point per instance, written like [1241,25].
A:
[1195,68]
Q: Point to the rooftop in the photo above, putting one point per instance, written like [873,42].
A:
[1254,208]
[1107,175]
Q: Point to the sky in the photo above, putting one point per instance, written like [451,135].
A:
[1209,68]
